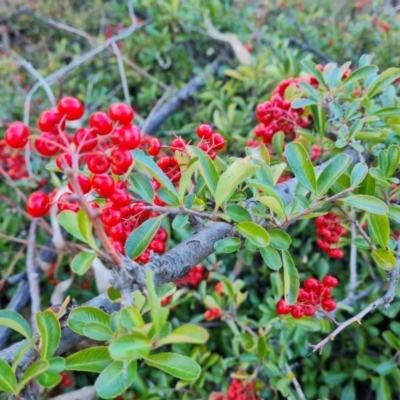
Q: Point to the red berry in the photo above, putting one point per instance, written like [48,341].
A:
[144,257]
[208,315]
[49,121]
[44,146]
[218,141]
[282,308]
[84,183]
[65,204]
[178,144]
[297,311]
[122,159]
[155,147]
[216,312]
[100,123]
[330,281]
[121,113]
[64,159]
[204,131]
[219,288]
[16,135]
[163,162]
[320,221]
[85,140]
[98,163]
[303,296]
[120,198]
[311,285]
[38,204]
[71,108]
[323,245]
[103,184]
[161,235]
[127,137]
[336,253]
[328,304]
[117,232]
[309,311]
[110,216]
[157,246]
[118,246]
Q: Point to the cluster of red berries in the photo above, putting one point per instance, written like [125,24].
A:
[193,277]
[384,27]
[65,381]
[13,162]
[212,313]
[277,113]
[239,390]
[329,231]
[313,295]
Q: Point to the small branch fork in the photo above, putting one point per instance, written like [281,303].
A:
[384,301]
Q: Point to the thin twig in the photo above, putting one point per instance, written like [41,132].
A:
[122,74]
[10,269]
[353,260]
[33,275]
[296,383]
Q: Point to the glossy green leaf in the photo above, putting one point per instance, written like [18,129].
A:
[80,316]
[387,112]
[86,228]
[240,170]
[69,221]
[131,318]
[279,239]
[383,391]
[273,204]
[82,262]
[207,169]
[188,333]
[319,116]
[300,103]
[50,333]
[311,68]
[32,372]
[177,365]
[186,177]
[290,278]
[301,165]
[129,347]
[93,359]
[255,233]
[307,323]
[115,379]
[394,213]
[237,213]
[384,80]
[380,227]
[52,375]
[336,167]
[228,245]
[158,314]
[393,160]
[142,186]
[271,257]
[11,319]
[8,382]
[384,259]
[97,331]
[141,237]
[366,203]
[358,174]
[168,197]
[148,164]
[359,74]
[392,340]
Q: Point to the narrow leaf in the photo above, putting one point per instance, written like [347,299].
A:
[359,74]
[188,333]
[290,278]
[32,372]
[50,333]
[366,203]
[331,173]
[380,227]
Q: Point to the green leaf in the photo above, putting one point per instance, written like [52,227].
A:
[115,379]
[97,331]
[186,177]
[228,245]
[177,365]
[313,70]
[237,213]
[380,228]
[393,159]
[387,112]
[394,213]
[384,259]
[180,221]
[301,165]
[271,257]
[273,204]
[142,187]
[168,197]
[11,319]
[158,314]
[50,333]
[128,347]
[366,203]
[80,316]
[141,237]
[131,318]
[255,233]
[290,278]
[52,375]
[319,117]
[240,170]
[279,239]
[86,229]
[358,174]
[148,164]
[278,141]
[82,262]
[188,333]
[300,103]
[359,74]
[383,391]
[207,169]
[385,79]
[8,382]
[385,367]
[307,323]
[69,221]
[332,172]
[94,359]
[391,340]
[32,372]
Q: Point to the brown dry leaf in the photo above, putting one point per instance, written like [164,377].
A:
[242,54]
